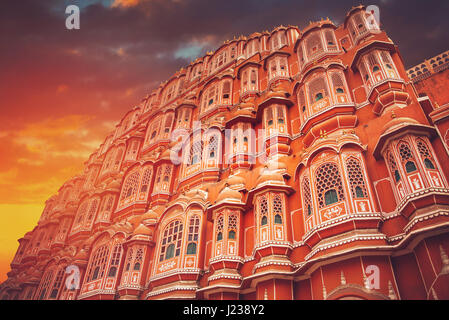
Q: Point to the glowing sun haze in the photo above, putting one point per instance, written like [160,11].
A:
[62,91]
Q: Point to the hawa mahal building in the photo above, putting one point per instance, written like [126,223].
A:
[291,164]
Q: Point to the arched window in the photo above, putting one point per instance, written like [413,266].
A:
[98,264]
[356,178]
[330,197]
[410,167]
[171,241]
[191,248]
[192,237]
[170,251]
[277,219]
[329,184]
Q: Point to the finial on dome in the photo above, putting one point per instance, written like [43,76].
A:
[391,293]
[342,278]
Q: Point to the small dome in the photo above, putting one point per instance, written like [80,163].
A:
[269,175]
[82,255]
[115,184]
[150,214]
[398,122]
[235,180]
[142,230]
[228,194]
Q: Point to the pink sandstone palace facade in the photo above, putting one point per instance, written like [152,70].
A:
[291,164]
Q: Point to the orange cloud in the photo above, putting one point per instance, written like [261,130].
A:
[125,3]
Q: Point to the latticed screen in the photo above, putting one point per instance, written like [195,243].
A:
[277,209]
[195,152]
[425,154]
[329,184]
[110,201]
[138,260]
[219,232]
[407,157]
[146,179]
[172,240]
[314,44]
[386,58]
[168,121]
[330,39]
[81,212]
[263,210]
[212,146]
[393,167]
[405,152]
[337,82]
[307,196]
[131,185]
[356,178]
[232,226]
[302,100]
[318,89]
[129,259]
[118,158]
[360,23]
[93,209]
[226,89]
[373,62]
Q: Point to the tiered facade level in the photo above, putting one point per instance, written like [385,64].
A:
[292,164]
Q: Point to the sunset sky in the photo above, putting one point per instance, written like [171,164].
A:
[62,91]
